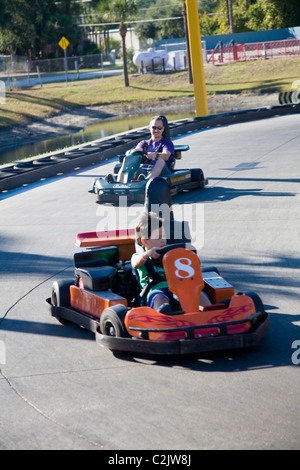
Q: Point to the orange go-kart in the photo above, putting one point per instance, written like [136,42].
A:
[105,298]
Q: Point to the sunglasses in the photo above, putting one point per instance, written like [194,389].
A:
[158,128]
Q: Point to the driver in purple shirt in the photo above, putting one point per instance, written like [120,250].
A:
[159,151]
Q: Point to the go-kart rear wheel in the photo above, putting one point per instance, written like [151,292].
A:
[259,306]
[112,321]
[208,269]
[198,176]
[60,296]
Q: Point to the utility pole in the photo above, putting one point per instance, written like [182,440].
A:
[186,33]
[196,58]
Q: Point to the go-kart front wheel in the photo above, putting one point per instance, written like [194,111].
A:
[112,321]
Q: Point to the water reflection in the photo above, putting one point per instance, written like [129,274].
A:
[90,133]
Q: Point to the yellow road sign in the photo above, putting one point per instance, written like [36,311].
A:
[63,43]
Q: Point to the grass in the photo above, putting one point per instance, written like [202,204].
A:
[270,76]
[260,77]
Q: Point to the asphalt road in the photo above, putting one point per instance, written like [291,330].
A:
[60,390]
[33,79]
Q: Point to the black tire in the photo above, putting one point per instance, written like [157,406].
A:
[60,296]
[117,168]
[174,191]
[208,269]
[94,188]
[143,171]
[197,176]
[112,321]
[259,306]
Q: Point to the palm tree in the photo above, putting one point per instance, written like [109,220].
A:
[120,11]
[123,31]
[230,15]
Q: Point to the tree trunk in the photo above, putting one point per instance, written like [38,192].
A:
[230,15]
[123,31]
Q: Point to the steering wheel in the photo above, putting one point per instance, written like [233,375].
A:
[141,153]
[166,249]
[136,152]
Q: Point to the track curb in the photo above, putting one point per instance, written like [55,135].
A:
[58,163]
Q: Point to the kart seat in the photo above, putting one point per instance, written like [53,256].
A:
[97,279]
[179,231]
[97,268]
[106,255]
[125,282]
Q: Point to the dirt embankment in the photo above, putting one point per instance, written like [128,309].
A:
[75,120]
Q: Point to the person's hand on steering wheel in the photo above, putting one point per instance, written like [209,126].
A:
[153,253]
[151,155]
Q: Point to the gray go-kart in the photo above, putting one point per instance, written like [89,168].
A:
[135,170]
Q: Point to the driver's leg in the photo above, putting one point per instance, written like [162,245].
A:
[157,169]
[203,301]
[120,177]
[157,299]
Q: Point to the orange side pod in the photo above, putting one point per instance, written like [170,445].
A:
[183,273]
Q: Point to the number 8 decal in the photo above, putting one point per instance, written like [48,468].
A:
[185,267]
[183,273]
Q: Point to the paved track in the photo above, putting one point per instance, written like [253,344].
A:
[59,390]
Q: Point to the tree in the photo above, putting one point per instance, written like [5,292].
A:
[31,28]
[208,24]
[230,15]
[4,16]
[120,11]
[258,15]
[123,32]
[147,30]
[161,29]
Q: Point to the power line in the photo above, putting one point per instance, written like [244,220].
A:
[130,22]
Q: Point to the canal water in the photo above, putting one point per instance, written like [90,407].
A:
[92,132]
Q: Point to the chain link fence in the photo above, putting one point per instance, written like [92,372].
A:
[13,68]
